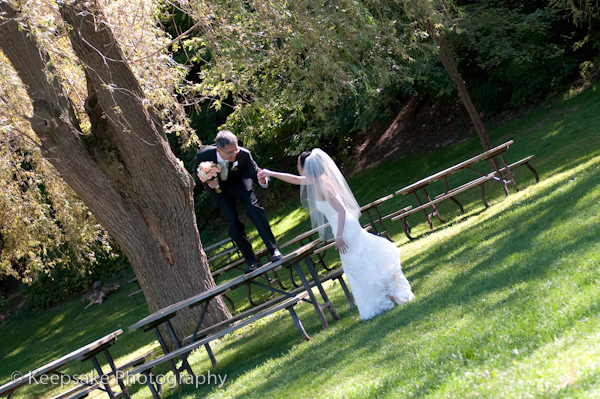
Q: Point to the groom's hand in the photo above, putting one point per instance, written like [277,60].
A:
[213,184]
[261,177]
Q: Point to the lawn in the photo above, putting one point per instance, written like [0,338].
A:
[506,305]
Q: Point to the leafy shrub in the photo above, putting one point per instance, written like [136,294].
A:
[512,53]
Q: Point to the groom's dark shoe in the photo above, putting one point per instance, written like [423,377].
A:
[253,267]
[276,255]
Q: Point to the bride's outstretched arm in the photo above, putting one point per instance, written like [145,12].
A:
[286,177]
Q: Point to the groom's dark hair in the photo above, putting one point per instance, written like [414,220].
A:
[225,138]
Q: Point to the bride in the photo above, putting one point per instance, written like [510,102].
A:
[371,263]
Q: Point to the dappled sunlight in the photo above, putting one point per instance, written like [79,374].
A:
[289,221]
[506,298]
[552,134]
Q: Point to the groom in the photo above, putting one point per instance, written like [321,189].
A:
[238,171]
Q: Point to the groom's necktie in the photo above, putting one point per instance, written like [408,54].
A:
[224,170]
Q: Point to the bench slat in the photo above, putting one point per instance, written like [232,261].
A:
[334,274]
[444,196]
[190,347]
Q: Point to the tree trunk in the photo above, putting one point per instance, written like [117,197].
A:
[124,170]
[445,55]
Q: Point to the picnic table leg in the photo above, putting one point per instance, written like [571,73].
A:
[371,222]
[495,167]
[230,301]
[155,391]
[349,296]
[292,278]
[115,371]
[249,290]
[510,175]
[313,272]
[165,349]
[103,381]
[482,185]
[313,298]
[406,228]
[298,323]
[462,211]
[320,257]
[380,220]
[435,209]
[209,351]
[537,178]
[184,363]
[277,279]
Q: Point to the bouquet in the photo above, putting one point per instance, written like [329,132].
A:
[209,171]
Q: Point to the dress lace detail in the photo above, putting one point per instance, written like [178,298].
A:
[372,266]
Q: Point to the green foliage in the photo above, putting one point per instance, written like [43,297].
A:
[4,303]
[287,68]
[506,297]
[514,54]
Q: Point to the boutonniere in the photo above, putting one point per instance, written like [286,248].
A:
[234,166]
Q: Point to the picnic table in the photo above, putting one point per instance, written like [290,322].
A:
[87,352]
[375,218]
[225,247]
[286,300]
[375,225]
[494,156]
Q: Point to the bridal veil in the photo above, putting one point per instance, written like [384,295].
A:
[323,178]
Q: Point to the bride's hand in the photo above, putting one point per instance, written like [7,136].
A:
[341,245]
[264,173]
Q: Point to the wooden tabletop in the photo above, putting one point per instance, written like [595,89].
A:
[220,289]
[376,202]
[453,169]
[316,230]
[80,353]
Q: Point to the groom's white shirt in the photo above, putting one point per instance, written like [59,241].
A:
[221,162]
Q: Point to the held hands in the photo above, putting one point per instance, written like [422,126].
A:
[213,183]
[263,174]
[341,245]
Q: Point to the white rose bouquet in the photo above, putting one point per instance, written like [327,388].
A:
[209,171]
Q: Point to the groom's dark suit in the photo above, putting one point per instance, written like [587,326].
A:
[239,183]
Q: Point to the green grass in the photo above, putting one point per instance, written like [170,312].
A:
[506,305]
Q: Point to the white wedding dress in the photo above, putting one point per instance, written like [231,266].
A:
[371,265]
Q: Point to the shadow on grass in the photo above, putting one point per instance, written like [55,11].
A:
[510,257]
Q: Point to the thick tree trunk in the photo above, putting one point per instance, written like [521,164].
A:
[445,55]
[124,170]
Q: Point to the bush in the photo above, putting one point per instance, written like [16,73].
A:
[512,54]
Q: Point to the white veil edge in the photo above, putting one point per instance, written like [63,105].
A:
[322,178]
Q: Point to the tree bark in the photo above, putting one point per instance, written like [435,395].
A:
[124,170]
[445,55]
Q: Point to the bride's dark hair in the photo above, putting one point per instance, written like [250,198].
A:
[316,171]
[323,182]
[303,157]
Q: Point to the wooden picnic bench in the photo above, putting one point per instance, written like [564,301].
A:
[137,292]
[375,218]
[202,337]
[87,352]
[229,250]
[83,390]
[183,351]
[494,156]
